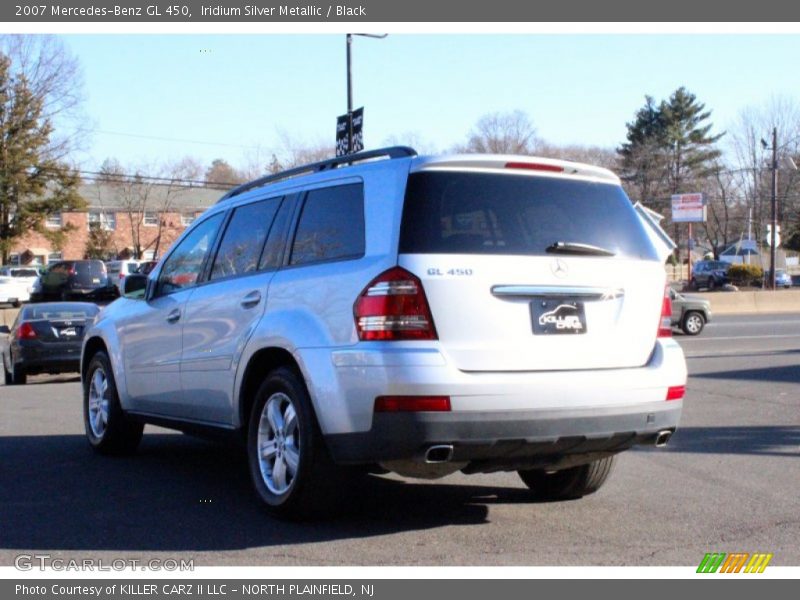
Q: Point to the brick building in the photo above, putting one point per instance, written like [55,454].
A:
[126,212]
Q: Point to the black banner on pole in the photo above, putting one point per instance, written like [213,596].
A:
[342,130]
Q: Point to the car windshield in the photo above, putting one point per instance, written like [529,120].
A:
[61,311]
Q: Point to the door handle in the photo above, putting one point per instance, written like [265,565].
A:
[252,299]
[174,316]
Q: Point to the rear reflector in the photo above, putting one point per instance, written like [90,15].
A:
[676,392]
[26,332]
[535,167]
[394,307]
[412,404]
[665,323]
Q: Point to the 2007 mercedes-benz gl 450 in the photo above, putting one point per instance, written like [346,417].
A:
[421,315]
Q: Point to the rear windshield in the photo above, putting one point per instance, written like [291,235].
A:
[480,213]
[90,272]
[24,273]
[62,311]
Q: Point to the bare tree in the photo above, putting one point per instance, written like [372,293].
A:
[592,155]
[414,140]
[502,133]
[750,157]
[54,74]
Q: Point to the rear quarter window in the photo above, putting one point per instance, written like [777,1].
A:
[331,226]
[482,213]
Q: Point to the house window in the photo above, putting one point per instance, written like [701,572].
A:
[55,220]
[107,221]
[14,259]
[187,219]
[150,218]
[54,257]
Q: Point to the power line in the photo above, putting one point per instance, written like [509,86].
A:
[180,140]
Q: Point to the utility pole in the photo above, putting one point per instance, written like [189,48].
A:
[774,234]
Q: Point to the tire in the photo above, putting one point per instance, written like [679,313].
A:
[16,304]
[108,429]
[291,470]
[6,374]
[568,484]
[17,375]
[693,322]
[712,283]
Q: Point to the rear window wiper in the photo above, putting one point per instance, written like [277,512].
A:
[578,248]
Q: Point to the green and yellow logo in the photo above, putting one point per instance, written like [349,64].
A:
[736,562]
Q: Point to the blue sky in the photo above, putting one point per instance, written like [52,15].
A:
[240,91]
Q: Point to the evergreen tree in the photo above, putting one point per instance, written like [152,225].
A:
[689,146]
[33,184]
[669,148]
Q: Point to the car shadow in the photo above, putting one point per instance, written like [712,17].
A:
[771,440]
[182,494]
[784,374]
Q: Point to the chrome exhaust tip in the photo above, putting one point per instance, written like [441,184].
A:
[439,454]
[662,437]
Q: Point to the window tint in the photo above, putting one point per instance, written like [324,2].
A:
[480,213]
[244,238]
[331,226]
[183,267]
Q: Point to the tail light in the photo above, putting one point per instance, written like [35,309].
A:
[394,307]
[665,324]
[676,392]
[412,404]
[26,332]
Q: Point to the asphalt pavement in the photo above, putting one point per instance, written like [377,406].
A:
[727,482]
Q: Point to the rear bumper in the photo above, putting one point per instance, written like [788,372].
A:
[493,414]
[506,437]
[36,357]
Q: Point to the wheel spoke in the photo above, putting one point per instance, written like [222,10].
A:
[268,449]
[98,382]
[290,421]
[274,415]
[279,474]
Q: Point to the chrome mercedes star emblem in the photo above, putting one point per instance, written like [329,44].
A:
[559,268]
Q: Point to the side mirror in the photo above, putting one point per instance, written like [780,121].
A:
[134,286]
[5,329]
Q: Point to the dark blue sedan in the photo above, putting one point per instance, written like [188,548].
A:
[45,338]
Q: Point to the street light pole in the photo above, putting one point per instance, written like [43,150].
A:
[349,94]
[774,234]
[350,83]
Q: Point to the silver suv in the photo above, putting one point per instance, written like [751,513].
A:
[423,315]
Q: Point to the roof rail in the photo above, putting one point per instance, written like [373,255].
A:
[323,165]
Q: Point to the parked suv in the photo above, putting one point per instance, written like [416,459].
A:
[84,280]
[709,274]
[425,314]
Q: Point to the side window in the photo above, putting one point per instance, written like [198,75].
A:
[331,226]
[244,239]
[272,256]
[182,269]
